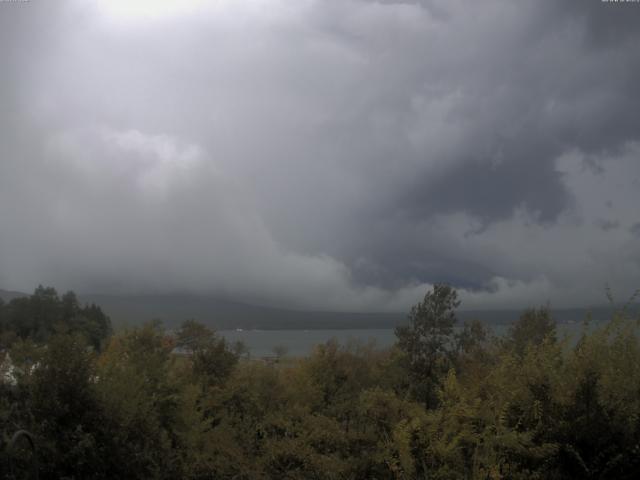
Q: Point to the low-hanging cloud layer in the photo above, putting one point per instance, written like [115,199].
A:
[322,154]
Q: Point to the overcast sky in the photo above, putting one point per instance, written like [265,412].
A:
[325,154]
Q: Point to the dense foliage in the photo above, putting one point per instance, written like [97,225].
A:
[43,314]
[444,403]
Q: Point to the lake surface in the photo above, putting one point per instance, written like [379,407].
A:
[301,342]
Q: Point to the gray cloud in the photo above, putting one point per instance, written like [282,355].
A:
[607,225]
[322,154]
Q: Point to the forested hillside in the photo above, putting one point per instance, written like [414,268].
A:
[443,403]
[224,314]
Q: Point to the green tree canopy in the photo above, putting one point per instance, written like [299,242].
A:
[428,340]
[43,314]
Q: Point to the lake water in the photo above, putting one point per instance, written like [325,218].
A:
[301,342]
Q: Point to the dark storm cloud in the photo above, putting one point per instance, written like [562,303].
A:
[543,98]
[332,154]
[567,80]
